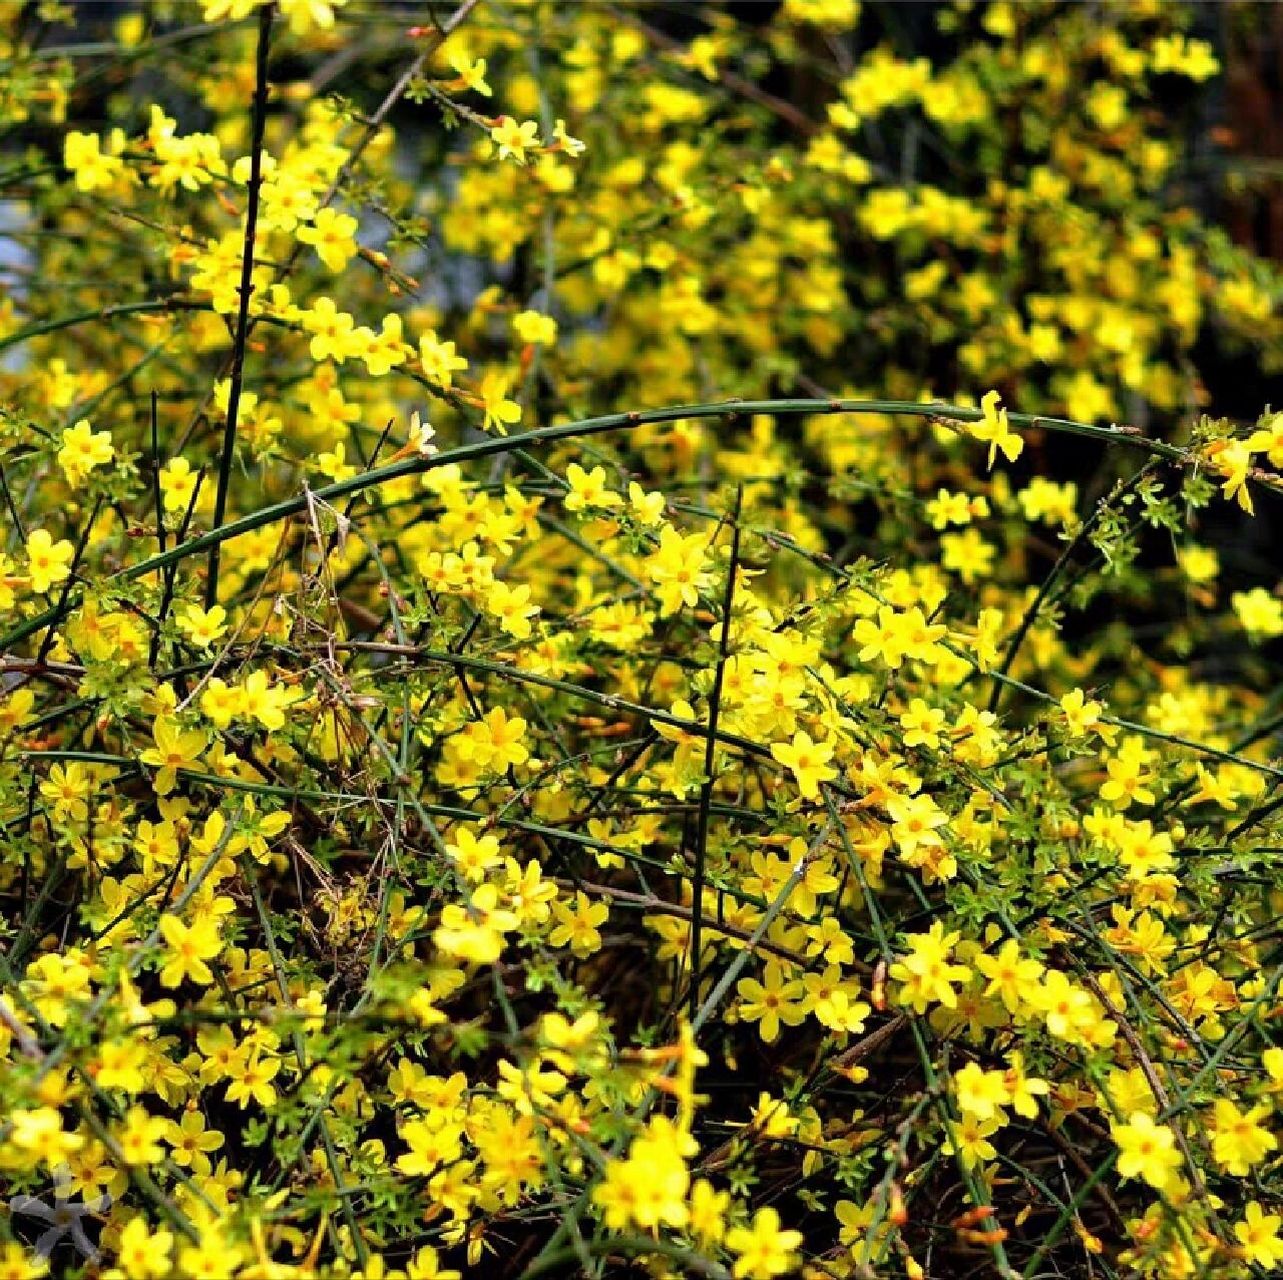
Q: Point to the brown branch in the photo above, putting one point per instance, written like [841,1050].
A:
[265,16]
[868,1044]
[1146,1064]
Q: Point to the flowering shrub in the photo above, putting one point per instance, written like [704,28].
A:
[628,644]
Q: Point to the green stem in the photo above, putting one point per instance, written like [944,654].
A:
[570,430]
[82,317]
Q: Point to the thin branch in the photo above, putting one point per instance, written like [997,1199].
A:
[265,16]
[710,755]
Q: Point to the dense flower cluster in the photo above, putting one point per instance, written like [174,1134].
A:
[511,763]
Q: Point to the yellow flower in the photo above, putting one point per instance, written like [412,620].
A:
[333,463]
[993,428]
[304,15]
[140,1135]
[980,1093]
[1258,1235]
[922,724]
[222,703]
[494,742]
[475,931]
[48,562]
[925,973]
[1147,1149]
[38,1136]
[772,1001]
[808,761]
[1233,460]
[203,626]
[535,328]
[67,790]
[386,349]
[764,1249]
[1239,1140]
[250,1075]
[17,1264]
[500,412]
[230,10]
[514,139]
[474,854]
[563,140]
[1180,55]
[914,822]
[334,333]
[144,1253]
[648,1187]
[439,360]
[84,449]
[1043,500]
[968,1139]
[264,701]
[94,168]
[588,489]
[648,508]
[1068,1010]
[968,555]
[426,1264]
[1129,781]
[1023,1091]
[707,1211]
[897,635]
[175,748]
[433,1142]
[215,1256]
[577,925]
[676,568]
[511,605]
[1082,715]
[333,236]
[191,1141]
[1268,437]
[1260,613]
[1012,978]
[189,947]
[177,484]
[471,72]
